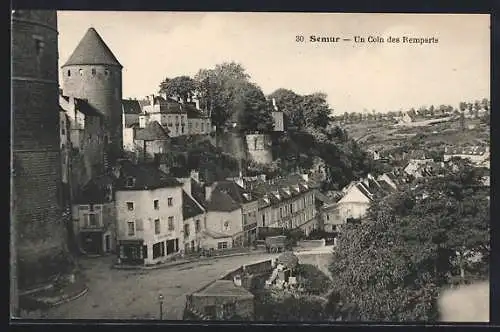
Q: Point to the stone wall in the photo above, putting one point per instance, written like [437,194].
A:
[37,181]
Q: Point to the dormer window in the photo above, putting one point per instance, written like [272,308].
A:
[93,72]
[81,72]
[106,72]
[69,73]
[130,182]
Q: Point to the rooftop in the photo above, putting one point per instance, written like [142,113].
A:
[189,207]
[92,50]
[131,106]
[152,132]
[224,288]
[144,177]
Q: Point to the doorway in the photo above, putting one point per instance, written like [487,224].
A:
[107,244]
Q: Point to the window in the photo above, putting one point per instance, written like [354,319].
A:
[169,201]
[263,220]
[130,206]
[157,226]
[171,223]
[186,230]
[131,228]
[227,226]
[63,131]
[81,72]
[106,72]
[93,71]
[222,245]
[145,251]
[39,45]
[69,73]
[156,204]
[197,226]
[157,250]
[202,127]
[93,219]
[255,143]
[130,182]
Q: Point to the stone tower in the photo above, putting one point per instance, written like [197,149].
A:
[39,229]
[93,73]
[259,148]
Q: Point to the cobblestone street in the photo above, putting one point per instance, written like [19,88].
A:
[133,294]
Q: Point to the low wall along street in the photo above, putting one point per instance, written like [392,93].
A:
[311,243]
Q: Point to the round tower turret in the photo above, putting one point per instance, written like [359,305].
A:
[38,227]
[93,73]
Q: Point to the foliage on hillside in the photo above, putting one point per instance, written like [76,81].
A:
[392,267]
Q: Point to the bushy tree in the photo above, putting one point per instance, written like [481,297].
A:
[392,267]
[182,86]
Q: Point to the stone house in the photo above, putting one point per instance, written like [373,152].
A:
[146,141]
[285,203]
[231,211]
[194,218]
[94,217]
[149,214]
[222,300]
[86,141]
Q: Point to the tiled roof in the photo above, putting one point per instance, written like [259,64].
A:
[192,112]
[364,190]
[92,50]
[238,194]
[84,107]
[131,106]
[220,201]
[189,207]
[152,132]
[95,191]
[146,177]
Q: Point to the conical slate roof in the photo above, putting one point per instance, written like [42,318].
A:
[92,50]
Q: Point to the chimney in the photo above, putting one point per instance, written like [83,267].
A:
[195,175]
[208,192]
[237,280]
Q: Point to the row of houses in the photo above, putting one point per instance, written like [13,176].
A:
[147,215]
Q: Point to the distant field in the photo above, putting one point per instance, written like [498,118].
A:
[383,135]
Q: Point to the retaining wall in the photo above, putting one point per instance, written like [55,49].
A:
[311,243]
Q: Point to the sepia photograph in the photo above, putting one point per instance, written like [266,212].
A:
[250,167]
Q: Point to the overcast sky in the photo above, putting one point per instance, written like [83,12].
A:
[384,77]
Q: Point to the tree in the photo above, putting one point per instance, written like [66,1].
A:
[253,111]
[315,110]
[182,86]
[392,266]
[289,102]
[217,90]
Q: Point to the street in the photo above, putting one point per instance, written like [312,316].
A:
[133,294]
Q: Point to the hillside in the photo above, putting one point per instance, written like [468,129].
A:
[384,136]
